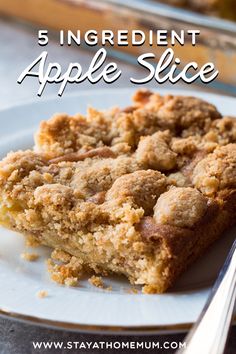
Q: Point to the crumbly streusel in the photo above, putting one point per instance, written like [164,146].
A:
[29,257]
[41,294]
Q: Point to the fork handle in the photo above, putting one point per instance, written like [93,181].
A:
[209,334]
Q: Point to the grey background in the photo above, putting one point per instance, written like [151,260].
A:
[16,338]
[18,48]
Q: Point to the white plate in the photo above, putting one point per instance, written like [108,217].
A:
[86,307]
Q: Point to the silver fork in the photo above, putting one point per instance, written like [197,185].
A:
[210,332]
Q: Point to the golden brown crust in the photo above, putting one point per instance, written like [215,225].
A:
[154,152]
[217,171]
[182,115]
[142,187]
[140,192]
[183,207]
[151,112]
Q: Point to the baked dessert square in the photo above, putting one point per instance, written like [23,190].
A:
[141,191]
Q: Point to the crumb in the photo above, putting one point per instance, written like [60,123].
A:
[31,241]
[109,288]
[72,281]
[41,294]
[30,257]
[133,291]
[67,273]
[96,281]
[59,255]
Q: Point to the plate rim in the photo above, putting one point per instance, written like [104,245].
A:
[97,91]
[82,328]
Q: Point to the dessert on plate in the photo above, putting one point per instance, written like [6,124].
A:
[141,191]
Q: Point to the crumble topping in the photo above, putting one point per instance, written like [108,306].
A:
[182,207]
[154,152]
[143,187]
[217,171]
[180,115]
[30,257]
